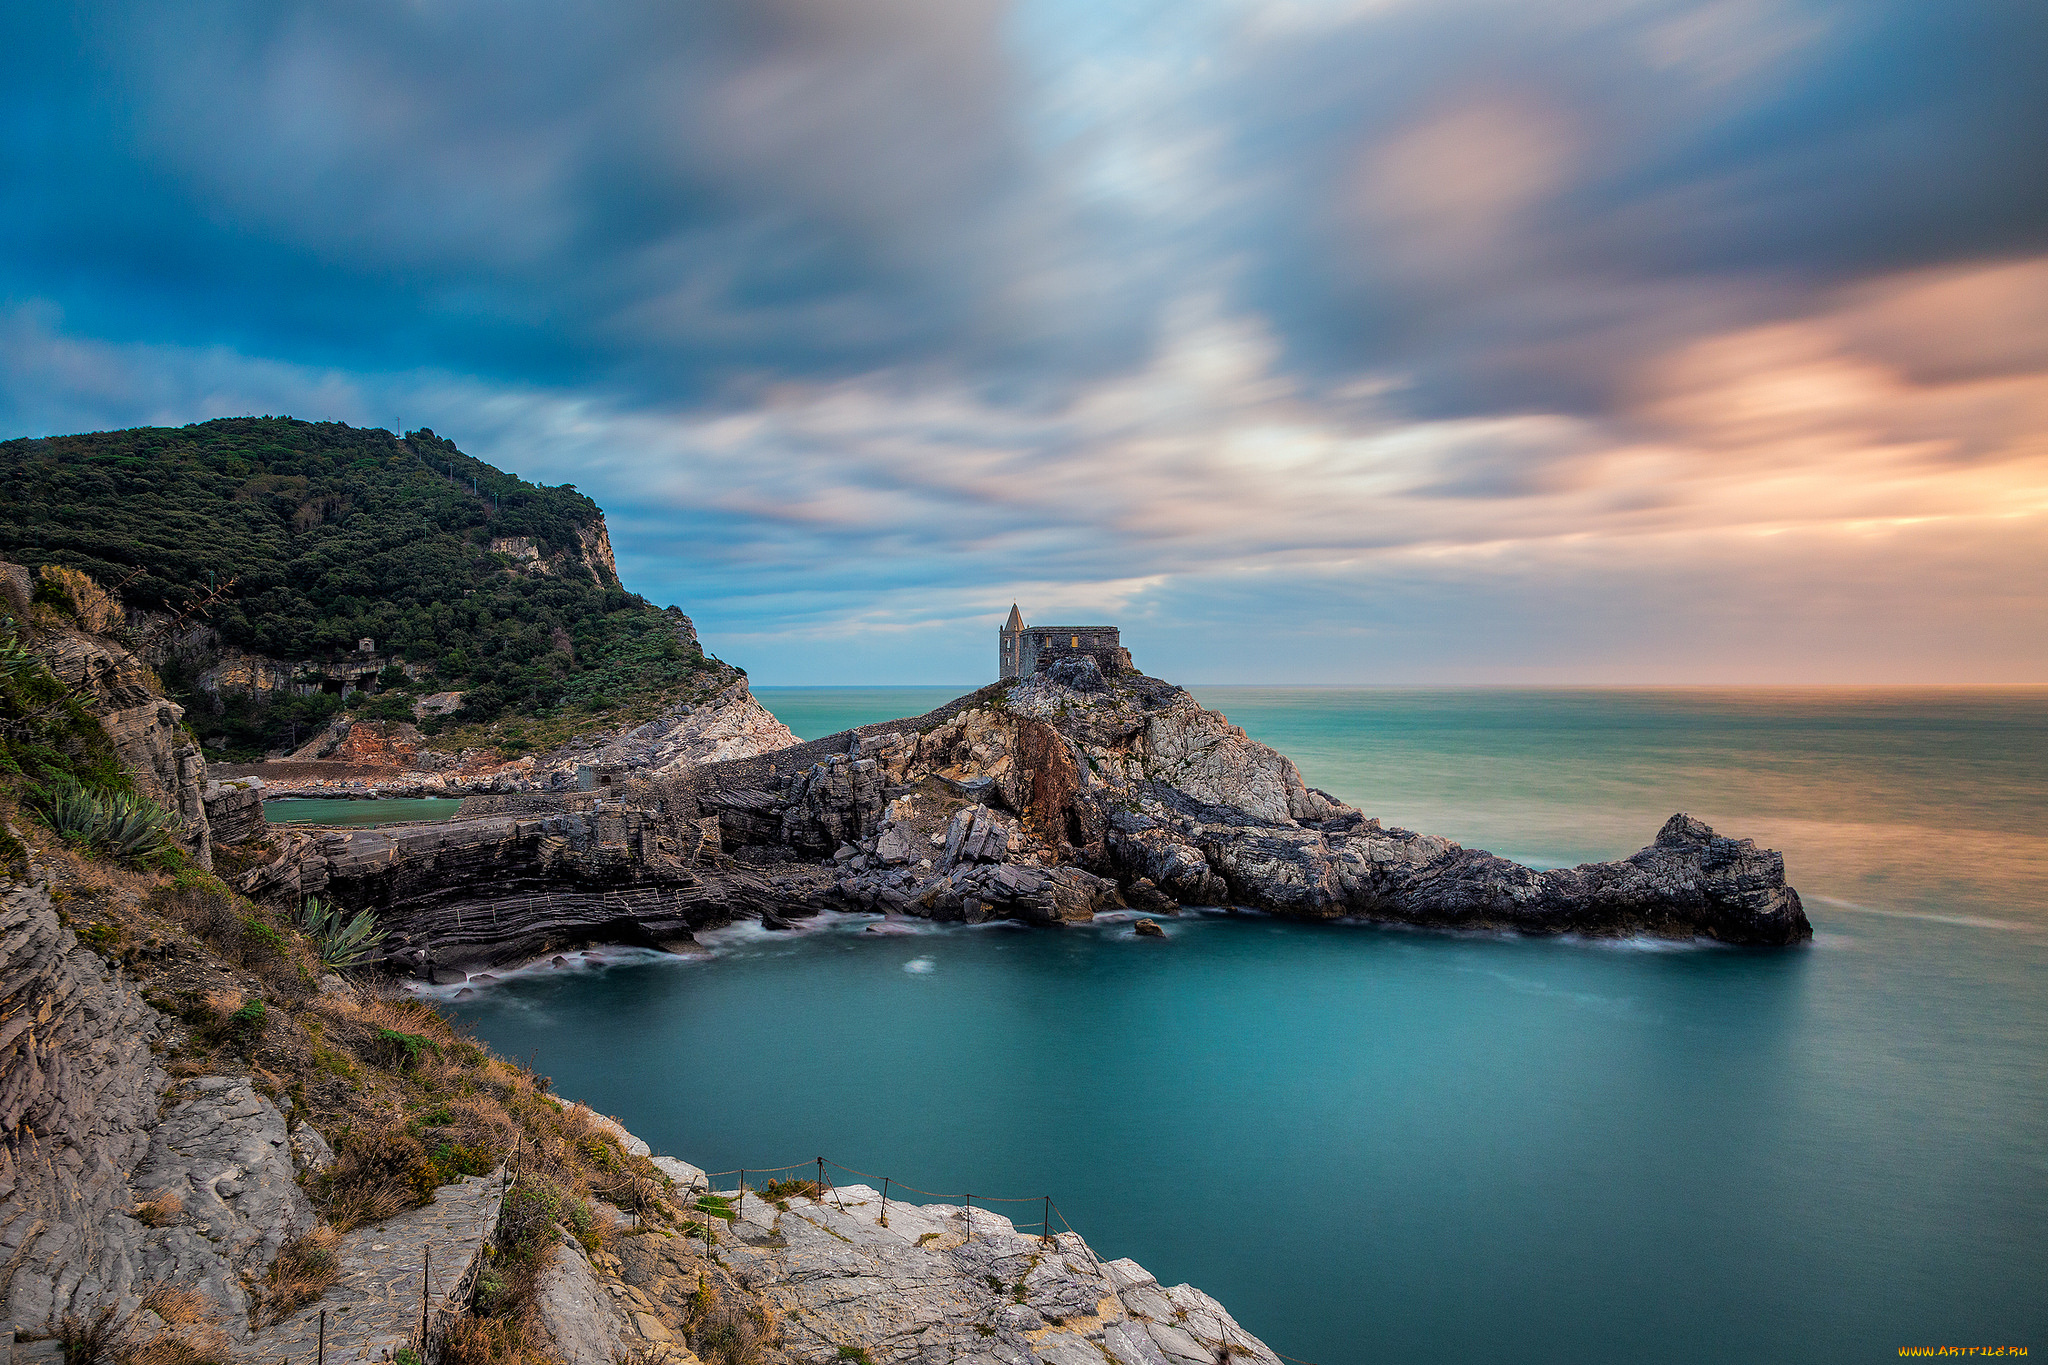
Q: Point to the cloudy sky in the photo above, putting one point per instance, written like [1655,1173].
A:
[1309,340]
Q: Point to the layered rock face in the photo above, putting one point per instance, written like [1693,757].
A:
[160,756]
[78,1091]
[465,894]
[93,1127]
[234,810]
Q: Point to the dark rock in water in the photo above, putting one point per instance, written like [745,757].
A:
[771,920]
[445,976]
[558,962]
[1145,928]
[1143,895]
[464,993]
[1079,672]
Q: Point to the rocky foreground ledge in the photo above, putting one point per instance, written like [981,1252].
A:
[850,1276]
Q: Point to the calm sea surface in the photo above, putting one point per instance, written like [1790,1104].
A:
[323,810]
[1379,1145]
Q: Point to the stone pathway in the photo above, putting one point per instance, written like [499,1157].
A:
[374,1308]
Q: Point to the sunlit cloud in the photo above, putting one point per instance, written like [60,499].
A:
[1623,342]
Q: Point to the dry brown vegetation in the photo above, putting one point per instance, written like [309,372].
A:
[160,1210]
[301,1273]
[407,1101]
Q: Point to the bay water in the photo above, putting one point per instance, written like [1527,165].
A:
[359,812]
[1386,1145]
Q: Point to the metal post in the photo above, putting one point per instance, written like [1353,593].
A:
[885,1201]
[1047,1225]
[970,1217]
[321,1358]
[820,1195]
[426,1276]
[740,1206]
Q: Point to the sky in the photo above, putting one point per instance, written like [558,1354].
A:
[1319,341]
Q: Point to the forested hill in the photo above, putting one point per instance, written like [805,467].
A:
[331,534]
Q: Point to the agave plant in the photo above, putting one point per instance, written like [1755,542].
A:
[340,941]
[17,665]
[120,823]
[72,812]
[134,827]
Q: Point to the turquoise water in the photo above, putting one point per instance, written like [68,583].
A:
[1379,1145]
[814,712]
[320,810]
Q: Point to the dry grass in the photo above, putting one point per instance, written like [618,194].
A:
[379,1169]
[160,1210]
[730,1336]
[301,1273]
[178,1307]
[89,1341]
[195,1345]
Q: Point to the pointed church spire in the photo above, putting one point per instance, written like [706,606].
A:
[1016,621]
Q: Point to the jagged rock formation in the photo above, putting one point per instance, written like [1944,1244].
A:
[1132,782]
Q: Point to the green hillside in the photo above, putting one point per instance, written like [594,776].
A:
[333,533]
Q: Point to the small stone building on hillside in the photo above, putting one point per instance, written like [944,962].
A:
[1033,649]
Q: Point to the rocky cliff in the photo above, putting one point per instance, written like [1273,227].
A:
[460,896]
[92,1129]
[1048,800]
[147,730]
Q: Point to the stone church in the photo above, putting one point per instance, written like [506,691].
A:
[1033,649]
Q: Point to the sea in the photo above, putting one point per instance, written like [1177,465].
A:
[1381,1145]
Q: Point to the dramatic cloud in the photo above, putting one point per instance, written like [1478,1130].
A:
[1647,341]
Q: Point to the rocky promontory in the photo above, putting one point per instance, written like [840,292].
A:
[1047,800]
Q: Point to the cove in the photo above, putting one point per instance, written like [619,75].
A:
[1382,1145]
